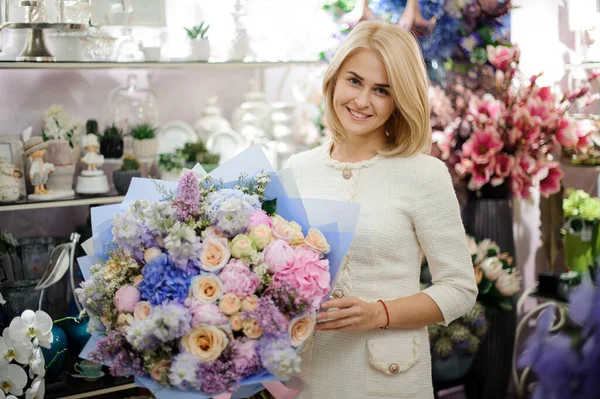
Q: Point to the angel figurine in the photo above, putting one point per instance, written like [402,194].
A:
[92,158]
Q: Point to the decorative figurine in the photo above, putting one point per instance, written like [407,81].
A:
[35,148]
[9,181]
[92,158]
[92,179]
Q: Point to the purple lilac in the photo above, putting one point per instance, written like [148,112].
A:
[164,323]
[269,317]
[164,282]
[245,360]
[278,356]
[119,354]
[187,200]
[287,299]
[219,375]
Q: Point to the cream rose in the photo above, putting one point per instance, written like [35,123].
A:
[205,342]
[282,229]
[250,303]
[206,288]
[160,371]
[138,279]
[215,254]
[301,328]
[297,235]
[241,246]
[141,311]
[252,329]
[212,232]
[235,321]
[151,253]
[316,240]
[492,268]
[261,236]
[230,304]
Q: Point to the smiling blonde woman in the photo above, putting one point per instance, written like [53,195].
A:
[371,339]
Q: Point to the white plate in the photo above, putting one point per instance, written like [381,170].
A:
[173,135]
[227,144]
[83,377]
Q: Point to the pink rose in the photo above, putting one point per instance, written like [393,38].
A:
[260,217]
[205,313]
[238,279]
[279,256]
[125,298]
[309,274]
[151,253]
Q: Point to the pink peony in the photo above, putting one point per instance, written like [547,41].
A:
[238,279]
[504,165]
[486,108]
[481,175]
[126,297]
[205,313]
[260,217]
[279,256]
[309,274]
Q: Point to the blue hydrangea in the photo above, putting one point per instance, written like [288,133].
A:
[278,356]
[165,323]
[163,282]
[230,210]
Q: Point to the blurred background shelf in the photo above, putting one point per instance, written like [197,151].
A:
[61,203]
[152,65]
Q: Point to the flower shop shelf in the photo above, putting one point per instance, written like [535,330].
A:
[585,65]
[67,202]
[153,65]
[71,388]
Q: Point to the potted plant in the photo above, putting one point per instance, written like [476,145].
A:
[199,44]
[111,142]
[581,230]
[170,166]
[129,169]
[145,142]
[197,153]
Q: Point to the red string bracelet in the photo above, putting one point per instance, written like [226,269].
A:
[387,314]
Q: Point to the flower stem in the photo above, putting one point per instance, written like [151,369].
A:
[264,395]
[67,318]
[55,357]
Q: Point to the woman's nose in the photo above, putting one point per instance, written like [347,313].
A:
[362,100]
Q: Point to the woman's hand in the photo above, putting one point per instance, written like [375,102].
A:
[350,315]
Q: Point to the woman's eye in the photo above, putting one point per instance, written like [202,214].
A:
[381,91]
[354,81]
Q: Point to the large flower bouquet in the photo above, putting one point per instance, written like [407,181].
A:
[211,288]
[564,354]
[497,279]
[505,137]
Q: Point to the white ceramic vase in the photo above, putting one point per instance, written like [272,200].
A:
[199,50]
[145,148]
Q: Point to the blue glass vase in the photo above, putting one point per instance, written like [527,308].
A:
[76,331]
[59,343]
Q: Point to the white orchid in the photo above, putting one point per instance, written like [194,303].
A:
[12,379]
[3,396]
[37,389]
[13,350]
[37,367]
[32,326]
[2,300]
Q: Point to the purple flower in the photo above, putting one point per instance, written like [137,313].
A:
[164,323]
[164,282]
[287,299]
[219,375]
[187,200]
[238,279]
[115,351]
[269,317]
[245,359]
[184,371]
[230,210]
[278,356]
[535,343]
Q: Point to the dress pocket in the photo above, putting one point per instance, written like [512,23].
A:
[392,357]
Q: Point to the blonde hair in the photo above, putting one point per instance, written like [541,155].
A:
[409,127]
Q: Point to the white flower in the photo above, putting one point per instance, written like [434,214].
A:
[12,379]
[11,349]
[492,268]
[38,364]
[483,248]
[472,246]
[37,389]
[2,301]
[508,284]
[36,326]
[3,396]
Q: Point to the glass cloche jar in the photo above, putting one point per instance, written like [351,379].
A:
[251,118]
[130,105]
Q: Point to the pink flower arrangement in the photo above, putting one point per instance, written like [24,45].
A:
[506,137]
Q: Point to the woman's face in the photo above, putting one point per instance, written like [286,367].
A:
[362,98]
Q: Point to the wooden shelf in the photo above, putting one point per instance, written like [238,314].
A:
[61,203]
[153,65]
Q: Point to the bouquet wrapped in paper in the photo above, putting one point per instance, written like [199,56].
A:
[211,285]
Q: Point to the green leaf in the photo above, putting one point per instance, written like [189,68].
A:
[505,304]
[270,206]
[485,286]
[491,252]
